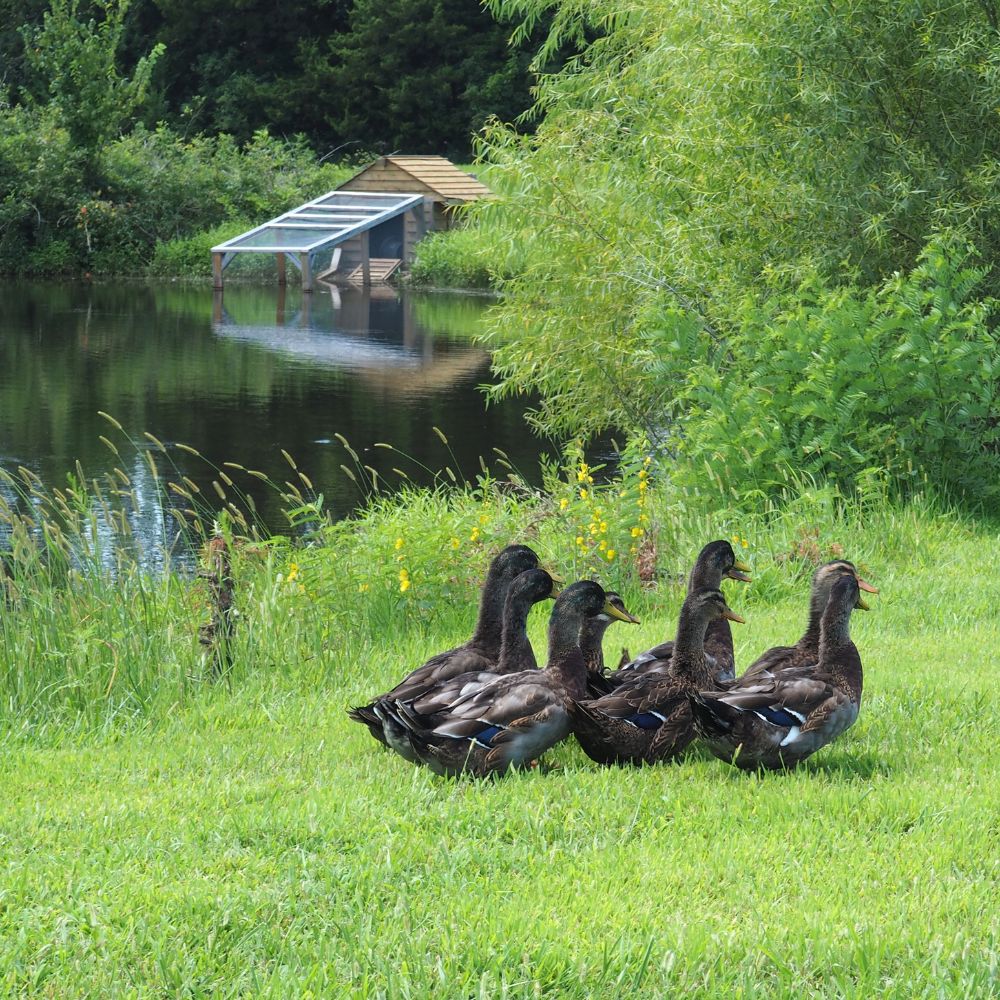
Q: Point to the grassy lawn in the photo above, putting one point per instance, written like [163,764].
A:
[251,840]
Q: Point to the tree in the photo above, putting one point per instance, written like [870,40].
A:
[420,75]
[73,67]
[699,152]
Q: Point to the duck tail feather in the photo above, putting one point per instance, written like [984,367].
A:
[366,715]
[712,718]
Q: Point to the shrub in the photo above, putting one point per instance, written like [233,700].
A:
[902,378]
[458,258]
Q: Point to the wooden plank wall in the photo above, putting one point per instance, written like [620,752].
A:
[351,250]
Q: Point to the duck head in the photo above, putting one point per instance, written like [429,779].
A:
[718,561]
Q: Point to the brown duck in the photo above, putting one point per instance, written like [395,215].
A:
[777,720]
[516,655]
[648,718]
[592,644]
[511,721]
[716,562]
[481,652]
[806,650]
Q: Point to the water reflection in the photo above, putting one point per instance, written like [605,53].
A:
[239,379]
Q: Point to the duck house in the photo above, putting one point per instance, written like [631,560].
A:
[366,229]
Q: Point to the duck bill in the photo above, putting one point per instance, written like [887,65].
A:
[733,616]
[555,591]
[739,571]
[866,586]
[556,578]
[620,614]
[863,604]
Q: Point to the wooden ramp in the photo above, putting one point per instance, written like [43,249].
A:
[379,269]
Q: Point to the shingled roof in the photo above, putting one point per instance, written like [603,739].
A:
[435,173]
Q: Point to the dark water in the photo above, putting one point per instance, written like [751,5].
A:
[240,379]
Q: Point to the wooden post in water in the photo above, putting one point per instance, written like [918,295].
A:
[366,260]
[282,278]
[217,270]
[307,272]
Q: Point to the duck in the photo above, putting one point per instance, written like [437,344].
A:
[777,720]
[648,718]
[516,654]
[592,643]
[511,721]
[716,562]
[806,650]
[480,652]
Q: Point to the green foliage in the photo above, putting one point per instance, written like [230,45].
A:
[395,91]
[901,380]
[696,164]
[144,188]
[73,67]
[454,258]
[233,67]
[189,256]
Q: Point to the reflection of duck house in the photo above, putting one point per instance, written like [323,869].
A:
[366,229]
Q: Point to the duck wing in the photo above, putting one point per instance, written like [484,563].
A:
[774,720]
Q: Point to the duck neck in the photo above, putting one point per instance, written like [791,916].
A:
[592,642]
[566,660]
[489,624]
[689,652]
[515,649]
[811,637]
[837,653]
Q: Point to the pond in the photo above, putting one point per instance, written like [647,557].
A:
[242,377]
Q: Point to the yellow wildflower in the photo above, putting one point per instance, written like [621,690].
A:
[484,519]
[579,540]
[604,527]
[563,504]
[603,545]
[362,588]
[404,581]
[455,543]
[583,494]
[293,572]
[636,532]
[611,555]
[474,537]
[399,544]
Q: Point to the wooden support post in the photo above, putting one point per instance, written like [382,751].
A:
[405,253]
[366,260]
[307,272]
[217,305]
[217,270]
[282,279]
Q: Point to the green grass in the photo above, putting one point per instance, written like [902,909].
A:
[247,839]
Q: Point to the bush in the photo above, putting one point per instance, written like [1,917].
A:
[458,258]
[902,379]
[191,256]
[143,189]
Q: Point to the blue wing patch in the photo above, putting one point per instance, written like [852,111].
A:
[484,736]
[647,720]
[779,716]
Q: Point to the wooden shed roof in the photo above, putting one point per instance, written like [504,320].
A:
[434,172]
